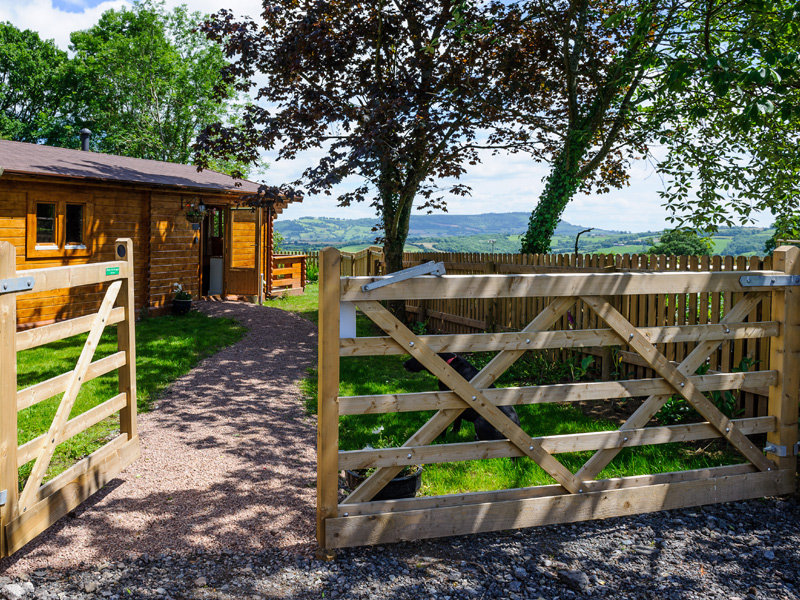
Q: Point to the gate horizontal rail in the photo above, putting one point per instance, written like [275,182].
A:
[358,520]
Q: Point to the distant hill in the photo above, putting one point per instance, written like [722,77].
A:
[498,232]
[322,230]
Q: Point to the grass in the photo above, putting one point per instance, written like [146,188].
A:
[306,305]
[385,375]
[166,348]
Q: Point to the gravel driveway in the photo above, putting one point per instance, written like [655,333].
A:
[228,458]
[221,505]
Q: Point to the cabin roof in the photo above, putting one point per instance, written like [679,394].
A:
[50,161]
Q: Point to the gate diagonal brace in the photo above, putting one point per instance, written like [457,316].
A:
[429,268]
[473,397]
[679,381]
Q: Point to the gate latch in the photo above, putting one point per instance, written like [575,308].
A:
[19,284]
[781,451]
[429,268]
[3,497]
[768,280]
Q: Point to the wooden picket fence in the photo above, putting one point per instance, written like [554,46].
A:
[546,299]
[25,514]
[469,315]
[368,261]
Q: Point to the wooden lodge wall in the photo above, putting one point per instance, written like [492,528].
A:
[152,218]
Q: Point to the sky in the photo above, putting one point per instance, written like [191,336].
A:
[499,183]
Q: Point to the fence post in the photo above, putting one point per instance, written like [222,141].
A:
[328,394]
[126,340]
[8,394]
[785,359]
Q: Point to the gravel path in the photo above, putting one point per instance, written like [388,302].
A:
[228,459]
[221,506]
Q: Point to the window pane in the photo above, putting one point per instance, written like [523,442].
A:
[45,223]
[74,224]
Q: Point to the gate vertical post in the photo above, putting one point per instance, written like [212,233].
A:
[126,340]
[785,359]
[8,394]
[328,394]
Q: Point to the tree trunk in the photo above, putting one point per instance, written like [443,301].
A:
[396,219]
[562,183]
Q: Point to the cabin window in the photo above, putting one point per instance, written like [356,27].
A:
[58,226]
[45,224]
[73,219]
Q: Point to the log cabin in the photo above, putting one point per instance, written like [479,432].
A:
[63,207]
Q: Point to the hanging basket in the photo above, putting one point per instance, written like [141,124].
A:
[195,217]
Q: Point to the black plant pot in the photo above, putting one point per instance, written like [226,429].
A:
[181,307]
[399,487]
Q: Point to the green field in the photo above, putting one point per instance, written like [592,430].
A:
[500,233]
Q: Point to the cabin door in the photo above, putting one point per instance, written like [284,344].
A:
[213,252]
[243,268]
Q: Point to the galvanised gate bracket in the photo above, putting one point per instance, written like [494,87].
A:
[769,280]
[18,284]
[781,451]
[429,268]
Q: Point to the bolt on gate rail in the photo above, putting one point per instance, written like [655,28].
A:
[576,496]
[25,515]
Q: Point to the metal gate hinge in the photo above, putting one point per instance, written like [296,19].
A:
[19,284]
[3,497]
[769,280]
[781,450]
[429,268]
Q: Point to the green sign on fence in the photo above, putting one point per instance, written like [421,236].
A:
[112,271]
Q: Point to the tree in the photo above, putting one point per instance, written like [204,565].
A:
[787,227]
[146,82]
[680,242]
[605,53]
[393,93]
[626,72]
[730,118]
[33,88]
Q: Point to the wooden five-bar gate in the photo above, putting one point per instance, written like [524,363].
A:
[25,514]
[358,520]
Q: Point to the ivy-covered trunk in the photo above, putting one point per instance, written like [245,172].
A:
[562,183]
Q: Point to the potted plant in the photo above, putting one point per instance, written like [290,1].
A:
[405,485]
[181,301]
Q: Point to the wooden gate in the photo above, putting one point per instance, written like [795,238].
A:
[26,514]
[579,495]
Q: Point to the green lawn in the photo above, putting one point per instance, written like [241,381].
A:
[166,348]
[385,375]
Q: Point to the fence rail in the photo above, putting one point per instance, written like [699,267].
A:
[28,512]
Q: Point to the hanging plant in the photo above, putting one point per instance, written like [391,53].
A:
[195,211]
